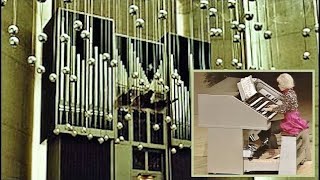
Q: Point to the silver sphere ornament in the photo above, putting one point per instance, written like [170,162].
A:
[219,62]
[167,119]
[181,146]
[133,9]
[64,38]
[42,37]
[234,24]
[85,34]
[258,26]
[32,60]
[306,55]
[56,131]
[100,140]
[53,77]
[13,29]
[162,14]
[73,78]
[119,125]
[267,35]
[109,117]
[241,27]
[139,23]
[213,32]
[140,147]
[234,62]
[91,61]
[3,3]
[74,133]
[83,130]
[213,12]
[77,25]
[204,4]
[306,32]
[65,70]
[113,63]
[173,127]
[89,136]
[117,141]
[236,38]
[156,127]
[239,65]
[219,32]
[135,75]
[106,56]
[121,138]
[128,117]
[248,16]
[14,41]
[231,4]
[166,88]
[41,69]
[173,150]
[68,127]
[106,137]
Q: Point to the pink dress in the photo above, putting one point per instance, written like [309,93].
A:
[292,123]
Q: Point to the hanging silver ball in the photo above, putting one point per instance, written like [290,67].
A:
[241,27]
[232,4]
[100,140]
[135,75]
[56,131]
[85,34]
[121,138]
[64,38]
[306,32]
[173,150]
[89,136]
[42,37]
[316,28]
[83,130]
[236,38]
[156,127]
[119,125]
[139,23]
[166,88]
[162,14]
[267,35]
[13,41]
[174,75]
[73,78]
[156,75]
[66,70]
[74,133]
[213,12]
[234,24]
[3,3]
[109,117]
[53,77]
[106,137]
[77,25]
[117,141]
[13,29]
[239,65]
[113,63]
[234,62]
[106,56]
[173,127]
[128,117]
[41,69]
[219,62]
[248,16]
[306,55]
[167,119]
[91,61]
[140,147]
[257,26]
[133,9]
[181,146]
[204,4]
[272,68]
[32,60]
[213,32]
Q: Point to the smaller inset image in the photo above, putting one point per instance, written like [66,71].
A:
[253,123]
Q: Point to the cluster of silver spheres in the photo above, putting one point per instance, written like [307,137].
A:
[13,31]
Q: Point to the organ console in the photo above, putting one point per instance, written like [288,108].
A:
[235,105]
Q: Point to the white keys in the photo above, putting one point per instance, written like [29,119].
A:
[262,105]
[272,115]
[256,101]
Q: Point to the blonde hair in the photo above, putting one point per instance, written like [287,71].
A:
[286,80]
